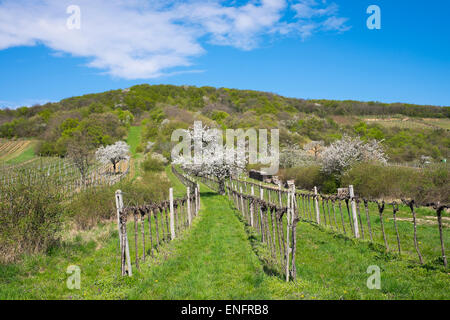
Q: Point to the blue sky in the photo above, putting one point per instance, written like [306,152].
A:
[304,48]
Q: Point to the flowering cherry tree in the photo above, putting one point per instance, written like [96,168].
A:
[211,158]
[343,153]
[113,153]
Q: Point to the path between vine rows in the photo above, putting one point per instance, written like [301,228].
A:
[214,260]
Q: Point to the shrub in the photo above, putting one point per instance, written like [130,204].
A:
[152,164]
[31,216]
[305,177]
[139,149]
[95,205]
[90,207]
[376,181]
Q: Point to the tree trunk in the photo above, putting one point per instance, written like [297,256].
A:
[221,186]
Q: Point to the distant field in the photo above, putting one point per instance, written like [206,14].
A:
[16,151]
[410,123]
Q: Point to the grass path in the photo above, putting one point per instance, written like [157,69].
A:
[215,260]
[133,140]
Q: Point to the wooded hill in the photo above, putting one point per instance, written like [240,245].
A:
[408,131]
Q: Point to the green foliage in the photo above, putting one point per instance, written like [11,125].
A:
[97,205]
[152,165]
[225,266]
[31,215]
[305,177]
[300,120]
[377,181]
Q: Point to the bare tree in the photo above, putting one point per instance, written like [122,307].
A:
[314,146]
[80,150]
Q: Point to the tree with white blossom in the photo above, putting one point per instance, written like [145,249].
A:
[344,153]
[113,153]
[211,158]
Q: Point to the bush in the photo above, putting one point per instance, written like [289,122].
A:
[305,177]
[31,216]
[376,181]
[96,205]
[152,164]
[90,207]
[139,149]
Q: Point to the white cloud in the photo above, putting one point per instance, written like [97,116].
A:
[135,39]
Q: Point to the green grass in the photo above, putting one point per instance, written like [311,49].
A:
[134,138]
[179,190]
[427,233]
[217,259]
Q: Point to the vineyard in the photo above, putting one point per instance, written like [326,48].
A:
[10,148]
[63,172]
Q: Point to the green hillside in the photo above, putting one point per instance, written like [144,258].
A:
[407,131]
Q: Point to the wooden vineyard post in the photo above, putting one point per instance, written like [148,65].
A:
[119,207]
[189,206]
[198,197]
[316,205]
[252,207]
[279,195]
[242,201]
[123,238]
[439,218]
[288,225]
[171,216]
[195,202]
[295,219]
[261,196]
[353,204]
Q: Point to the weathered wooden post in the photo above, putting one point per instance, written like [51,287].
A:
[189,205]
[355,217]
[171,216]
[316,205]
[288,226]
[242,201]
[279,195]
[198,196]
[252,207]
[119,207]
[195,200]
[439,218]
[123,238]
[294,221]
[261,196]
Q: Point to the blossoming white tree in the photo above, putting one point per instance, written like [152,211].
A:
[343,153]
[113,153]
[211,158]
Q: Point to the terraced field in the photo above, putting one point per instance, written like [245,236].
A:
[410,123]
[11,148]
